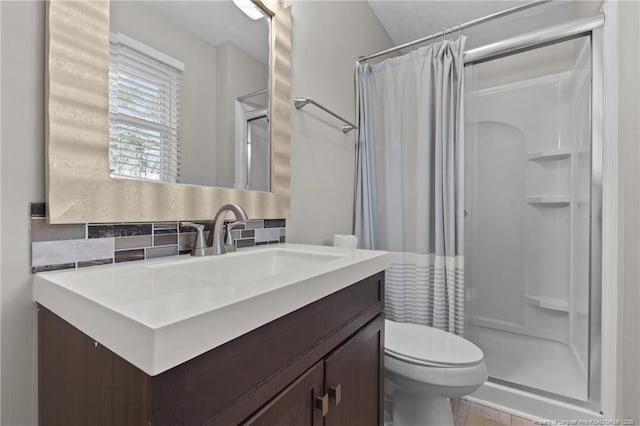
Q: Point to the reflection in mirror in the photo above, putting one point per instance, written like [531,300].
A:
[253,171]
[188,93]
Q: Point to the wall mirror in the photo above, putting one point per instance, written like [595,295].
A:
[167,110]
[189,93]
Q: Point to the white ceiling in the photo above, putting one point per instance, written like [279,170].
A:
[217,22]
[409,20]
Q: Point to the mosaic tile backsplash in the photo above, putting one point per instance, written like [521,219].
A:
[69,246]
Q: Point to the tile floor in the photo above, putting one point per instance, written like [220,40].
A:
[467,413]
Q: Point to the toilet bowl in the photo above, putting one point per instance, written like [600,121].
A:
[424,367]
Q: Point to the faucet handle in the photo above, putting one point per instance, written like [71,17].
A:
[199,227]
[199,246]
[228,241]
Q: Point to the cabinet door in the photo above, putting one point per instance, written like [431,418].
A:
[84,383]
[354,379]
[296,404]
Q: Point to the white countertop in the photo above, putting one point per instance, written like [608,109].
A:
[159,313]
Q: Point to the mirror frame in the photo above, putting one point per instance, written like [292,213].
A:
[79,188]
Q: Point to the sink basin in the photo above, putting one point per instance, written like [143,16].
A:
[245,266]
[159,313]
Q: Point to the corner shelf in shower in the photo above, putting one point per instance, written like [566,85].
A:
[552,200]
[556,154]
[549,303]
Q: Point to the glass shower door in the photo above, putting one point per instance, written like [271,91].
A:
[527,226]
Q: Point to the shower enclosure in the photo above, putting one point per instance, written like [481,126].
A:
[534,220]
[531,235]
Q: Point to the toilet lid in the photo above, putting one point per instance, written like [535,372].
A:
[422,344]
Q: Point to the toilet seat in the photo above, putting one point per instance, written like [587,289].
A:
[428,346]
[421,362]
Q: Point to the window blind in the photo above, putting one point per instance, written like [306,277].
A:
[144,111]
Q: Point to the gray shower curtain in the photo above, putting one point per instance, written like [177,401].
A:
[409,182]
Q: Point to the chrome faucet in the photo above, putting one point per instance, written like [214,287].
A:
[216,238]
[217,243]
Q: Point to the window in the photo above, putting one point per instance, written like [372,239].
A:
[144,111]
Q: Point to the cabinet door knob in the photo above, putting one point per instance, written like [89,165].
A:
[335,392]
[322,403]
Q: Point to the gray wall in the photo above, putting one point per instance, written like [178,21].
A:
[328,38]
[0,221]
[628,208]
[322,163]
[22,181]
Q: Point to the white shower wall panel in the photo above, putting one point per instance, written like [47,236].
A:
[549,178]
[537,108]
[518,205]
[547,236]
[498,205]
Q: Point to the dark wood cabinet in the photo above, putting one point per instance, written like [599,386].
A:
[348,395]
[330,352]
[81,382]
[352,379]
[298,404]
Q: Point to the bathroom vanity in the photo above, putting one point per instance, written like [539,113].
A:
[295,337]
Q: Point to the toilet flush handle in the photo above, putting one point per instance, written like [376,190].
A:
[335,393]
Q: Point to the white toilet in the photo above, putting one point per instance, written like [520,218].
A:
[424,367]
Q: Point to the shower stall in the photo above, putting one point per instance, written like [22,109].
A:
[532,219]
[537,285]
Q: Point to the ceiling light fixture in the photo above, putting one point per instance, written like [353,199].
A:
[249,8]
